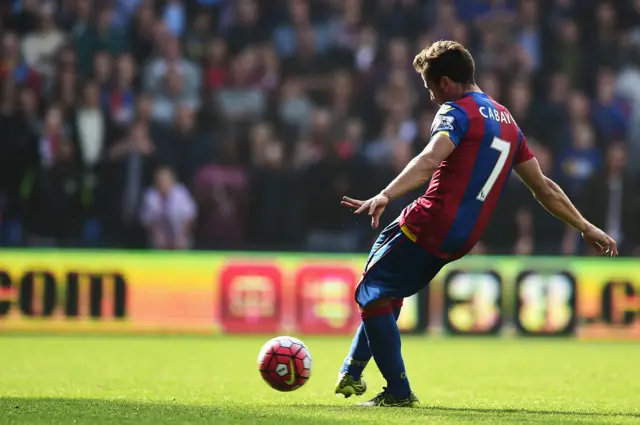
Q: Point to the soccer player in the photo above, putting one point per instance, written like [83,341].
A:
[475,143]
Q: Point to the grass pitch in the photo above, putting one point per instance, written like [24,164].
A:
[180,380]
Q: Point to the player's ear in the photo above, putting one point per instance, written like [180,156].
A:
[445,83]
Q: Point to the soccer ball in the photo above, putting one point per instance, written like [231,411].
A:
[285,363]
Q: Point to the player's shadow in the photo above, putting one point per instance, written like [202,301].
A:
[77,411]
[20,410]
[508,411]
[440,414]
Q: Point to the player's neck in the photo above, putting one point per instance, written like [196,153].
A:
[472,88]
[464,89]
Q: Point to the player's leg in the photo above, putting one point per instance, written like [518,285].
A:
[350,381]
[401,272]
[384,341]
[360,354]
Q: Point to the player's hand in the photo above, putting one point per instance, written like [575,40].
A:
[374,207]
[602,242]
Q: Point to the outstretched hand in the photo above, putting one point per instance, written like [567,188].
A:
[603,243]
[374,207]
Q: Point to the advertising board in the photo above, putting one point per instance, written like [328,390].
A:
[194,292]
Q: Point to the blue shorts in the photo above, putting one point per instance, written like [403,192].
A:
[396,268]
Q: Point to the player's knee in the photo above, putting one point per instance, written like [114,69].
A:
[377,307]
[397,302]
[379,303]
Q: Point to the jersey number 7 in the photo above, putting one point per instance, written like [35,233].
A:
[503,147]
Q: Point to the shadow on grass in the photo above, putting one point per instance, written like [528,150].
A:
[51,411]
[479,410]
[508,411]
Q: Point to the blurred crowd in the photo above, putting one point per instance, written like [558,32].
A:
[239,124]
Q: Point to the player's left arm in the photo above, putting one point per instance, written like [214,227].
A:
[549,194]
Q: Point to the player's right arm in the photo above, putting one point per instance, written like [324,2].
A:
[554,200]
[449,127]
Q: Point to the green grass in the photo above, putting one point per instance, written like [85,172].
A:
[173,380]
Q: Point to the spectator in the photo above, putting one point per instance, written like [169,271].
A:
[269,68]
[221,189]
[345,27]
[555,114]
[400,155]
[424,131]
[241,102]
[54,210]
[274,189]
[106,35]
[65,92]
[491,85]
[198,37]
[310,65]
[529,36]
[144,31]
[53,131]
[538,232]
[611,203]
[609,111]
[325,181]
[14,67]
[20,127]
[82,35]
[131,163]
[29,114]
[39,48]
[168,212]
[365,51]
[268,110]
[397,62]
[628,86]
[311,147]
[606,46]
[125,10]
[580,161]
[92,127]
[144,116]
[568,53]
[287,37]
[172,80]
[26,19]
[102,71]
[120,100]
[342,97]
[184,147]
[247,30]
[175,17]
[399,19]
[295,107]
[216,70]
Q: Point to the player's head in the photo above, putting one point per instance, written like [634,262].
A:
[447,69]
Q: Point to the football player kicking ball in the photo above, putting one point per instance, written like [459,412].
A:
[475,143]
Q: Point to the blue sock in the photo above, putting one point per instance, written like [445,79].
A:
[360,354]
[384,342]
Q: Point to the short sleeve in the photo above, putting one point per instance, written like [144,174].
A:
[524,153]
[452,121]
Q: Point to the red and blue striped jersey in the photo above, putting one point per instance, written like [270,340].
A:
[449,219]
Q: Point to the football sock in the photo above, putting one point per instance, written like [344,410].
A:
[384,342]
[360,354]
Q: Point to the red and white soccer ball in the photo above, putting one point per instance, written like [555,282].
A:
[285,363]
